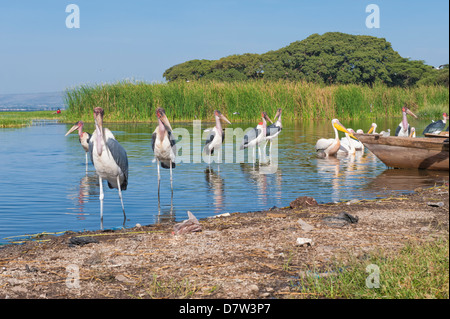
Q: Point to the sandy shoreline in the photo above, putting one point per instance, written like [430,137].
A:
[244,255]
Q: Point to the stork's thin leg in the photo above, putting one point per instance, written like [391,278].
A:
[254,155]
[270,150]
[121,200]
[100,181]
[159,177]
[171,185]
[87,162]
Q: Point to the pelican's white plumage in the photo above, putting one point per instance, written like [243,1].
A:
[330,146]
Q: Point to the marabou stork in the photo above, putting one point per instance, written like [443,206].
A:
[84,138]
[273,130]
[163,145]
[216,136]
[404,128]
[256,136]
[109,158]
[436,127]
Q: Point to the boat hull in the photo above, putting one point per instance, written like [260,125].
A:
[407,152]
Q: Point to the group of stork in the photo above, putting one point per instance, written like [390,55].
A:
[111,161]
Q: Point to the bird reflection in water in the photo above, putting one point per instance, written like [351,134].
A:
[216,185]
[87,186]
[267,178]
[165,214]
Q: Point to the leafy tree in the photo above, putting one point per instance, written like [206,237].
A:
[331,58]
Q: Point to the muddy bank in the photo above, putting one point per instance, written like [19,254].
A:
[244,255]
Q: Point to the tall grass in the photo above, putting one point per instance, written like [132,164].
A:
[419,270]
[137,101]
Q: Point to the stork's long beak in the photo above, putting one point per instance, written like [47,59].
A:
[411,113]
[341,128]
[166,122]
[223,117]
[276,115]
[73,128]
[268,118]
[99,128]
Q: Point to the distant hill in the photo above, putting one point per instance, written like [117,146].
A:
[32,101]
[331,58]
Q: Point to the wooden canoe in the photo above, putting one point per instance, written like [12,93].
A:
[408,152]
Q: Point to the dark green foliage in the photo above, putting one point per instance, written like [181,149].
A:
[331,58]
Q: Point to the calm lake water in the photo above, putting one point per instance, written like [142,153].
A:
[44,185]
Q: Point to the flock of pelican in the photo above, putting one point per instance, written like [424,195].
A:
[111,161]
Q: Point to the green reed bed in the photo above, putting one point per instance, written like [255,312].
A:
[20,119]
[137,101]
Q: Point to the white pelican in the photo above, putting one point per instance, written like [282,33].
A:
[373,129]
[349,145]
[386,133]
[216,136]
[438,126]
[412,132]
[329,146]
[83,137]
[109,158]
[404,128]
[163,145]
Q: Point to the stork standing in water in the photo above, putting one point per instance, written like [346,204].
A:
[83,136]
[326,147]
[404,129]
[436,127]
[163,145]
[216,136]
[273,130]
[109,158]
[256,136]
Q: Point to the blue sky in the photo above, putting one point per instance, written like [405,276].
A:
[139,40]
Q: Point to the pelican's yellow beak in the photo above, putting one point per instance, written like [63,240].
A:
[341,128]
[371,130]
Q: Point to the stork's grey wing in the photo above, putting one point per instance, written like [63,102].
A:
[153,141]
[91,149]
[397,130]
[272,130]
[434,127]
[250,136]
[119,154]
[209,139]
[171,139]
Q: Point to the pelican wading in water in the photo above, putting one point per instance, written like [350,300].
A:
[109,158]
[348,145]
[404,129]
[256,136]
[163,145]
[216,137]
[326,147]
[84,138]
